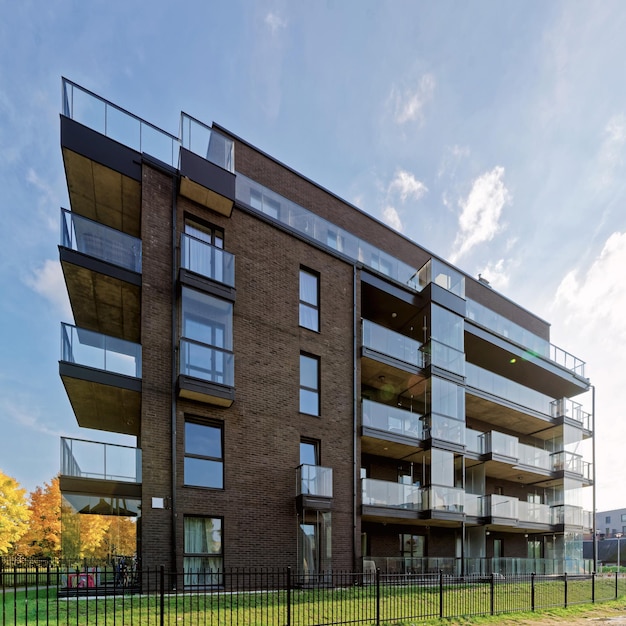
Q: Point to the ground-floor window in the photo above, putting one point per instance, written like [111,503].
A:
[203,559]
[314,542]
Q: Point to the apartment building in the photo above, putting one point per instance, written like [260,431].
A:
[306,387]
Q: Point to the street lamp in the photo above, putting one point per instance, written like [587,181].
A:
[619,536]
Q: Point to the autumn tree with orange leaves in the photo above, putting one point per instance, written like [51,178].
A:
[14,513]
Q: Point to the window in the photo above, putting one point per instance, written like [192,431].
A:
[309,461]
[309,385]
[202,251]
[204,462]
[607,519]
[623,517]
[309,452]
[203,556]
[207,330]
[309,300]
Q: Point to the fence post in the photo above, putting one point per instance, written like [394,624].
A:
[162,594]
[289,596]
[378,596]
[593,587]
[493,593]
[565,588]
[532,591]
[440,594]
[616,585]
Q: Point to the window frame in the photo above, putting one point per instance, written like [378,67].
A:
[310,390]
[215,578]
[306,305]
[193,455]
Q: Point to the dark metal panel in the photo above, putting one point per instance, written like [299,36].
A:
[207,174]
[100,377]
[68,255]
[97,487]
[205,391]
[99,148]
[207,285]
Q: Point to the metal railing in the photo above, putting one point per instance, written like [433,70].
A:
[285,596]
[206,362]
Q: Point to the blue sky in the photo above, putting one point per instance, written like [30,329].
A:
[492,133]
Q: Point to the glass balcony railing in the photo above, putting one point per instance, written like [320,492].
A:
[207,260]
[443,427]
[103,461]
[536,346]
[312,226]
[474,441]
[446,357]
[588,520]
[473,505]
[88,109]
[535,457]
[206,362]
[504,388]
[207,143]
[434,271]
[499,443]
[533,512]
[101,242]
[385,493]
[392,344]
[567,514]
[391,419]
[438,498]
[564,407]
[570,462]
[91,349]
[496,505]
[314,480]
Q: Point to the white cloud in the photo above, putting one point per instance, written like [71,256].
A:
[611,153]
[392,218]
[48,282]
[479,220]
[498,274]
[591,304]
[409,104]
[407,185]
[275,22]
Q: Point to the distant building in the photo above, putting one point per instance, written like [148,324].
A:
[306,386]
[608,523]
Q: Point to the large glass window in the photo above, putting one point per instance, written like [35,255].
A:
[309,300]
[203,557]
[206,328]
[309,384]
[204,463]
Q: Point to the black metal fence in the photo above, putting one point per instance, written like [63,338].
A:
[107,596]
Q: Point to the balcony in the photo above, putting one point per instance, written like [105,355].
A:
[206,373]
[385,500]
[101,469]
[102,269]
[534,514]
[207,166]
[502,510]
[567,411]
[442,501]
[500,445]
[314,487]
[492,340]
[567,515]
[390,431]
[200,261]
[391,361]
[570,463]
[534,457]
[473,505]
[102,378]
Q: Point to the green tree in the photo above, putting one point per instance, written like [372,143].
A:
[14,512]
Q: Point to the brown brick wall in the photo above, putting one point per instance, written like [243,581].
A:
[156,340]
[262,429]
